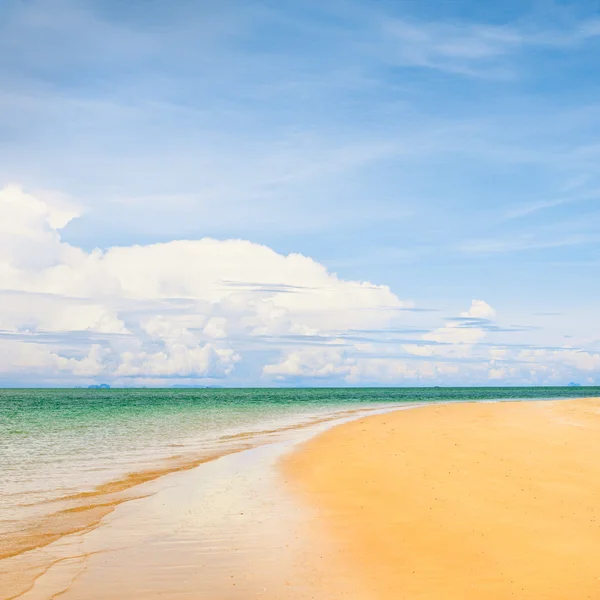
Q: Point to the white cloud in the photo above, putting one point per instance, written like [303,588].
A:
[31,358]
[479,310]
[311,363]
[51,313]
[170,309]
[455,338]
[425,362]
[179,359]
[389,370]
[203,309]
[567,357]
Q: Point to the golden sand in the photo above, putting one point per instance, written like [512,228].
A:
[465,501]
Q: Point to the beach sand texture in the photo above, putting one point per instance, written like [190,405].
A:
[463,501]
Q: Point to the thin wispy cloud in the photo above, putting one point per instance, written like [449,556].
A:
[534,207]
[524,243]
[477,49]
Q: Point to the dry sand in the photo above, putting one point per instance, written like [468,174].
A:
[466,501]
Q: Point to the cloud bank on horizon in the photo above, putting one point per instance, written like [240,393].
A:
[193,310]
[293,193]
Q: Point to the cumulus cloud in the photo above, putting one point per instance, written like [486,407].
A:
[181,308]
[461,351]
[423,361]
[456,337]
[205,310]
[479,310]
[312,363]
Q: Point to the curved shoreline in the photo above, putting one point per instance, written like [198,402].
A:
[84,511]
[317,526]
[462,501]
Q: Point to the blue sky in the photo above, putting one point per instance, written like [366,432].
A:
[448,151]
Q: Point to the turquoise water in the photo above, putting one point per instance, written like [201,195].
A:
[54,443]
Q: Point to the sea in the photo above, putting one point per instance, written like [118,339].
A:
[69,455]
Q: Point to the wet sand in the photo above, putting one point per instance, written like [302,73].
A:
[224,529]
[82,511]
[463,501]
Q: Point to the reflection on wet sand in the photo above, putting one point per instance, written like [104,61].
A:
[225,529]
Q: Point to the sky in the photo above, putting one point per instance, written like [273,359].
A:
[268,193]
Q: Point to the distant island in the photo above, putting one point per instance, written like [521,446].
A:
[101,386]
[573,384]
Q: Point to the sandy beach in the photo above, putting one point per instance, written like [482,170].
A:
[462,501]
[441,502]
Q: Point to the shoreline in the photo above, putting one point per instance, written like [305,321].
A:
[80,510]
[47,552]
[280,533]
[461,501]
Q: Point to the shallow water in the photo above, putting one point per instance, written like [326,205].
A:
[226,529]
[59,442]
